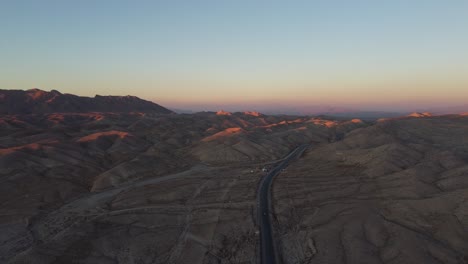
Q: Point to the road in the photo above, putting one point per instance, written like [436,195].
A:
[267,247]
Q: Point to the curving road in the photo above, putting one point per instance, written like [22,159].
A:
[267,247]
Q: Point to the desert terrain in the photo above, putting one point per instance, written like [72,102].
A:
[151,186]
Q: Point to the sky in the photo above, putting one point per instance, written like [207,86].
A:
[363,54]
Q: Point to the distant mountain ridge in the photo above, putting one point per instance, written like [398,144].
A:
[36,101]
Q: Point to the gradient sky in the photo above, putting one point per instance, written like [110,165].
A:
[371,54]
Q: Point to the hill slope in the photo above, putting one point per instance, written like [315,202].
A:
[394,192]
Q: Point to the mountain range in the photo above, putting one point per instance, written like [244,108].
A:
[41,102]
[133,187]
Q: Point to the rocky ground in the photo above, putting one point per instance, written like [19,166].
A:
[203,215]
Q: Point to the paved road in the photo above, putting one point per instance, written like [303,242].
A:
[267,248]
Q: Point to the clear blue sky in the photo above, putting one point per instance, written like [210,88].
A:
[366,53]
